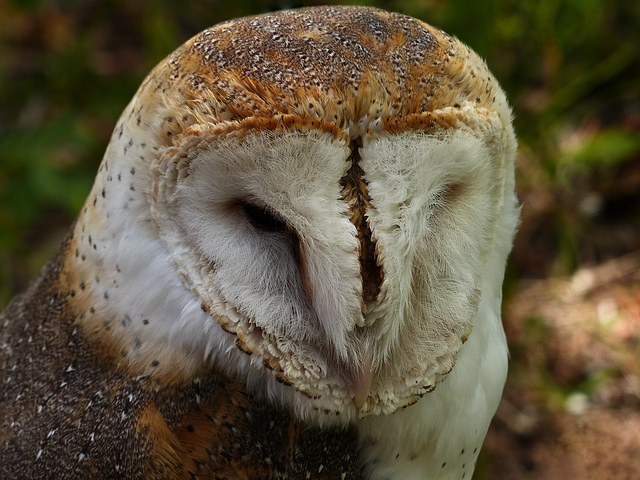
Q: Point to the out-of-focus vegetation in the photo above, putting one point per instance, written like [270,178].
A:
[571,69]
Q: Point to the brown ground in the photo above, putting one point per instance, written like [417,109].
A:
[571,407]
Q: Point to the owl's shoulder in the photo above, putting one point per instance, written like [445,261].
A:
[67,409]
[225,432]
[62,409]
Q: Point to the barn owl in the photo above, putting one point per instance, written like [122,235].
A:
[289,266]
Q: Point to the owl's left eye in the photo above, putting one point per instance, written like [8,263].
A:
[262,219]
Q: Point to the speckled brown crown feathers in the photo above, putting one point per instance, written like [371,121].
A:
[349,66]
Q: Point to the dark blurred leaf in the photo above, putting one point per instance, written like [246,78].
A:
[607,148]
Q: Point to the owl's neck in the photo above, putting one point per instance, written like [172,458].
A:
[129,298]
[440,436]
[126,291]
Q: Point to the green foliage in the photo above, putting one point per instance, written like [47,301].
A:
[606,149]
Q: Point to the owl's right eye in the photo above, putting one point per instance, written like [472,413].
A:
[262,219]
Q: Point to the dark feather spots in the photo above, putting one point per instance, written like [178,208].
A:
[133,170]
[155,363]
[190,428]
[106,295]
[145,321]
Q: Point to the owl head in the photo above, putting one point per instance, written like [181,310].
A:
[315,201]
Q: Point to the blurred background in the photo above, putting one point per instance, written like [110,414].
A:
[571,408]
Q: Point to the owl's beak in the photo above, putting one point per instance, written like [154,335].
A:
[362,380]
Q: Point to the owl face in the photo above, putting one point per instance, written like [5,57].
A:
[272,229]
[330,186]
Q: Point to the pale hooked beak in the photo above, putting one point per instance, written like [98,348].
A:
[362,379]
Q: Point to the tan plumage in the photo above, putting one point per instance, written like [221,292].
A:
[239,298]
